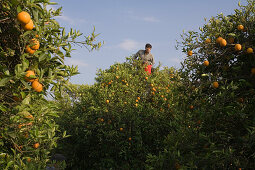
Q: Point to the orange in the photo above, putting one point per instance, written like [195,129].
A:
[107,101]
[240,100]
[238,47]
[136,105]
[117,77]
[190,53]
[127,84]
[37,86]
[146,78]
[231,40]
[23,17]
[102,120]
[207,41]
[121,129]
[36,36]
[125,102]
[162,96]
[249,50]
[151,85]
[223,43]
[215,84]
[191,107]
[29,50]
[36,145]
[29,73]
[206,63]
[28,159]
[129,139]
[29,26]
[153,89]
[253,71]
[165,99]
[17,99]
[35,44]
[218,40]
[240,27]
[138,98]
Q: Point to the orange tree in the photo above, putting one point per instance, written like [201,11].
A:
[33,47]
[217,122]
[117,121]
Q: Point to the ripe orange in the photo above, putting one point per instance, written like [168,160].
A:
[231,40]
[29,50]
[240,27]
[151,85]
[253,71]
[125,102]
[249,50]
[28,159]
[35,43]
[29,26]
[102,120]
[129,138]
[238,47]
[207,41]
[117,77]
[36,36]
[215,84]
[37,86]
[138,98]
[190,53]
[146,78]
[107,101]
[206,63]
[162,96]
[136,105]
[153,89]
[23,17]
[36,145]
[29,73]
[223,43]
[121,129]
[165,99]
[191,107]
[218,40]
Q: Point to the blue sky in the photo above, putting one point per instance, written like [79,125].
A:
[127,25]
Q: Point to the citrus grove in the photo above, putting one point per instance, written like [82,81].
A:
[33,47]
[198,117]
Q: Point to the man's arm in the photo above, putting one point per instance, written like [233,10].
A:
[152,60]
[136,55]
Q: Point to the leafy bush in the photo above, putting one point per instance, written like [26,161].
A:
[117,121]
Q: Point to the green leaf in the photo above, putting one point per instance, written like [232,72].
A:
[42,57]
[4,81]
[3,108]
[26,84]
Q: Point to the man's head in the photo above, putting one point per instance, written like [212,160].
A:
[148,48]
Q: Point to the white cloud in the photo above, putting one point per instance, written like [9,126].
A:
[150,19]
[70,20]
[129,44]
[71,61]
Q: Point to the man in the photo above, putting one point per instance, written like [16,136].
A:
[146,57]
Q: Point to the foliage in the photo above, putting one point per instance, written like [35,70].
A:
[26,118]
[218,133]
[117,121]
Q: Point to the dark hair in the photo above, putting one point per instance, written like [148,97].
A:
[148,46]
